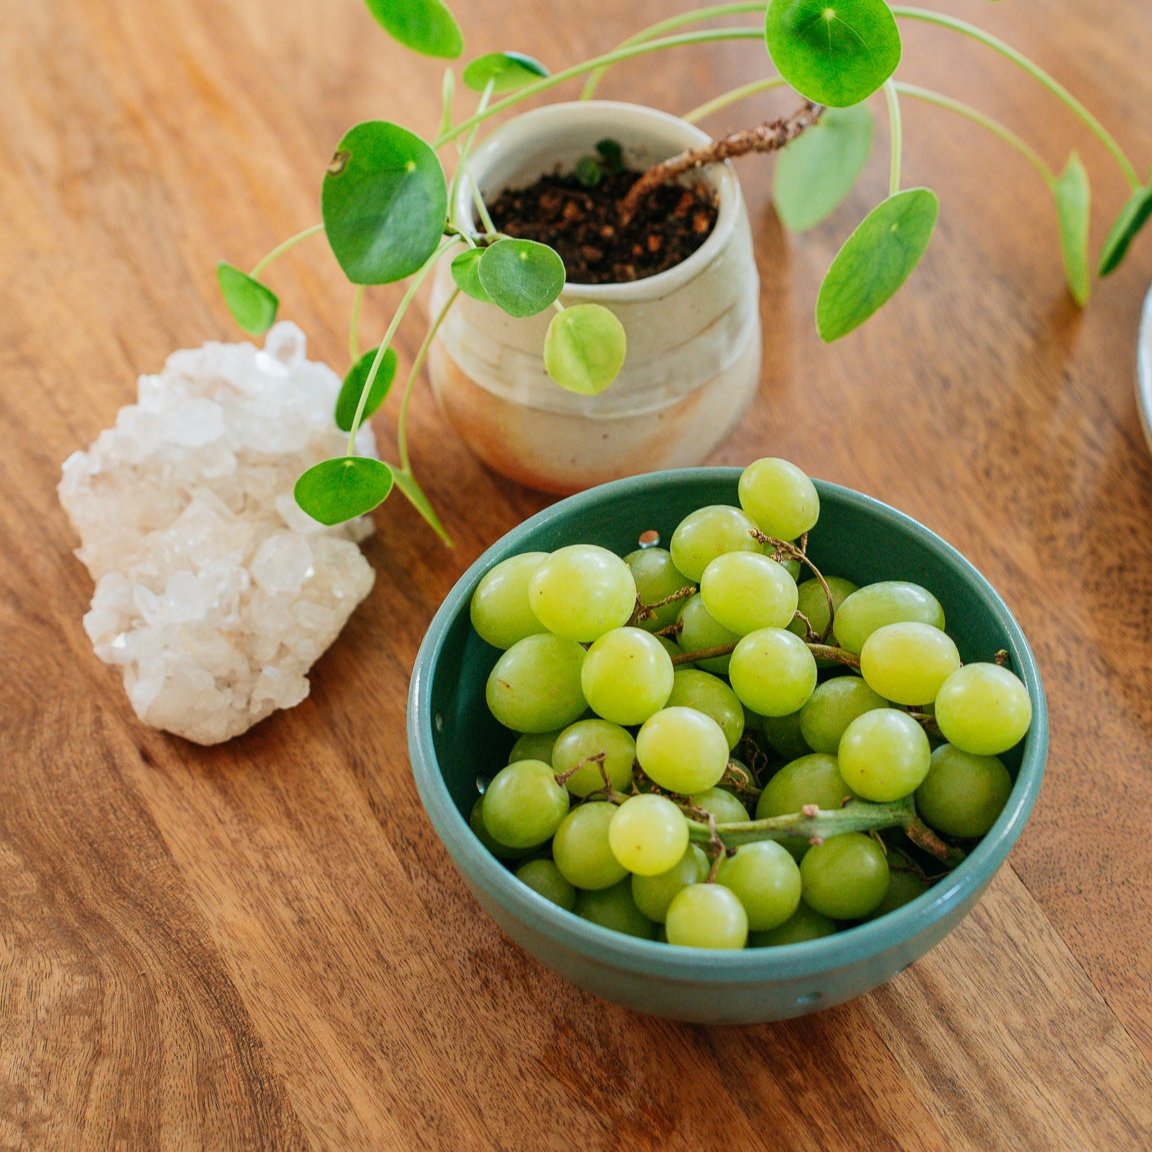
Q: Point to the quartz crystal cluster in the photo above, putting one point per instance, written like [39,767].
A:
[215,593]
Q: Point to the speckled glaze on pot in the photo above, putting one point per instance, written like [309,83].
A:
[694,339]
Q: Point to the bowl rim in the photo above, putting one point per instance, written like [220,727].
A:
[598,944]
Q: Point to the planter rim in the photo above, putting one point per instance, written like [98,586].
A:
[602,117]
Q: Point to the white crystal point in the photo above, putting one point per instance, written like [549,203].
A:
[215,593]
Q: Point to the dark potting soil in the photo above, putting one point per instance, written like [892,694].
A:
[583,224]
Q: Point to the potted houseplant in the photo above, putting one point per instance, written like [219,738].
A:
[390,213]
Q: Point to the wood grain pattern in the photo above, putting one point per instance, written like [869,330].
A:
[262,945]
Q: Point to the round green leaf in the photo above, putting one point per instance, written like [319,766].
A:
[584,349]
[343,488]
[819,168]
[466,273]
[425,26]
[252,305]
[875,261]
[1073,202]
[505,71]
[834,52]
[384,203]
[349,399]
[521,276]
[1133,216]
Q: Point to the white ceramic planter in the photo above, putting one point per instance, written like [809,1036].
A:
[694,341]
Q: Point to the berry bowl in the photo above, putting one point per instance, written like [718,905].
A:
[456,745]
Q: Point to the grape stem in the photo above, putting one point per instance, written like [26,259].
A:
[820,651]
[818,824]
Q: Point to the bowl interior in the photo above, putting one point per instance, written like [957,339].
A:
[454,740]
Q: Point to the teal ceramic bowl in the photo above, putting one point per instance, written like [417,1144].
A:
[453,740]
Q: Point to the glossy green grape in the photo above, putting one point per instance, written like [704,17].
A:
[744,591]
[880,603]
[884,755]
[682,750]
[984,709]
[812,604]
[626,676]
[581,849]
[813,778]
[726,807]
[708,693]
[542,875]
[766,880]
[534,746]
[706,916]
[772,671]
[535,685]
[708,532]
[700,632]
[963,793]
[845,877]
[657,578]
[648,834]
[523,804]
[499,607]
[614,908]
[575,748]
[804,924]
[780,497]
[833,705]
[653,894]
[907,662]
[581,591]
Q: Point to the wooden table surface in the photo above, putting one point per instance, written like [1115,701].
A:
[262,944]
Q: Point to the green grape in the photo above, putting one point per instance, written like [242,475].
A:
[725,806]
[780,497]
[906,882]
[845,877]
[499,607]
[805,924]
[581,591]
[963,793]
[772,671]
[577,744]
[534,746]
[907,662]
[812,603]
[614,908]
[884,755]
[744,591]
[813,778]
[706,916]
[653,894]
[502,851]
[833,705]
[657,578]
[984,709]
[708,532]
[542,875]
[699,632]
[884,602]
[695,688]
[626,676]
[783,734]
[524,805]
[682,750]
[581,850]
[766,880]
[535,685]
[648,834]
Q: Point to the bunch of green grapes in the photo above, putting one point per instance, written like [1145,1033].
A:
[716,745]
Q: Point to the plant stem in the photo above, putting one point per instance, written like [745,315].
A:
[817,824]
[696,16]
[714,35]
[405,304]
[897,124]
[354,323]
[280,249]
[976,116]
[726,99]
[1033,70]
